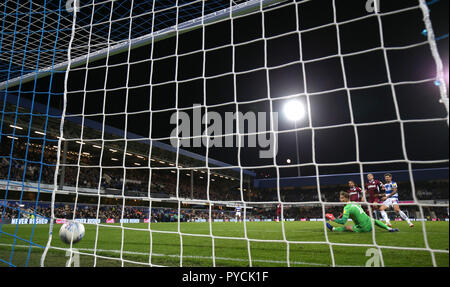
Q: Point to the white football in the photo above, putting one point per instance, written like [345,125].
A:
[71,231]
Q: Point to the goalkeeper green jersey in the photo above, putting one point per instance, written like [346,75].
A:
[356,213]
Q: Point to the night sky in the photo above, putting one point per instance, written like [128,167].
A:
[312,70]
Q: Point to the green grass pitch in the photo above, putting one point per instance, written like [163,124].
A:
[135,242]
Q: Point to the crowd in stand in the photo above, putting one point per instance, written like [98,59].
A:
[166,183]
[163,182]
[12,210]
[160,214]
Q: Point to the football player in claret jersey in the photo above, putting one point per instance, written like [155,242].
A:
[390,199]
[354,192]
[373,187]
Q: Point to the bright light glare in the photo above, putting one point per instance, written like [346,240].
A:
[16,127]
[294,110]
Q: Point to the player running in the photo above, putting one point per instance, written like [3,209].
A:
[390,199]
[363,223]
[238,213]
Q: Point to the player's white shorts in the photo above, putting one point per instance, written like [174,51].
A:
[238,213]
[391,201]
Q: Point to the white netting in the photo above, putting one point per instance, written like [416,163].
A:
[129,66]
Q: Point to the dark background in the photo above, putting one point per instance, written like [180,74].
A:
[276,63]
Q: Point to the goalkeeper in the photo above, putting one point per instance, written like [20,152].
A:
[363,223]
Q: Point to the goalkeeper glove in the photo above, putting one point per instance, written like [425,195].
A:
[330,216]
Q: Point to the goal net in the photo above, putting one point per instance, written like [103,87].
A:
[220,133]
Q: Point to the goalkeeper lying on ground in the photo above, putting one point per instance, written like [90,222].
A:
[363,223]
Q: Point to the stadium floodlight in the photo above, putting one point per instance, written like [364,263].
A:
[294,110]
[16,127]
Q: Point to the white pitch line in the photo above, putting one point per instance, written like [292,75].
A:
[171,255]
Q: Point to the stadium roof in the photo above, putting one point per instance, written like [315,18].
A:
[39,109]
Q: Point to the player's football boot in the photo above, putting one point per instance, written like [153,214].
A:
[330,216]
[411,225]
[389,224]
[394,230]
[329,227]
